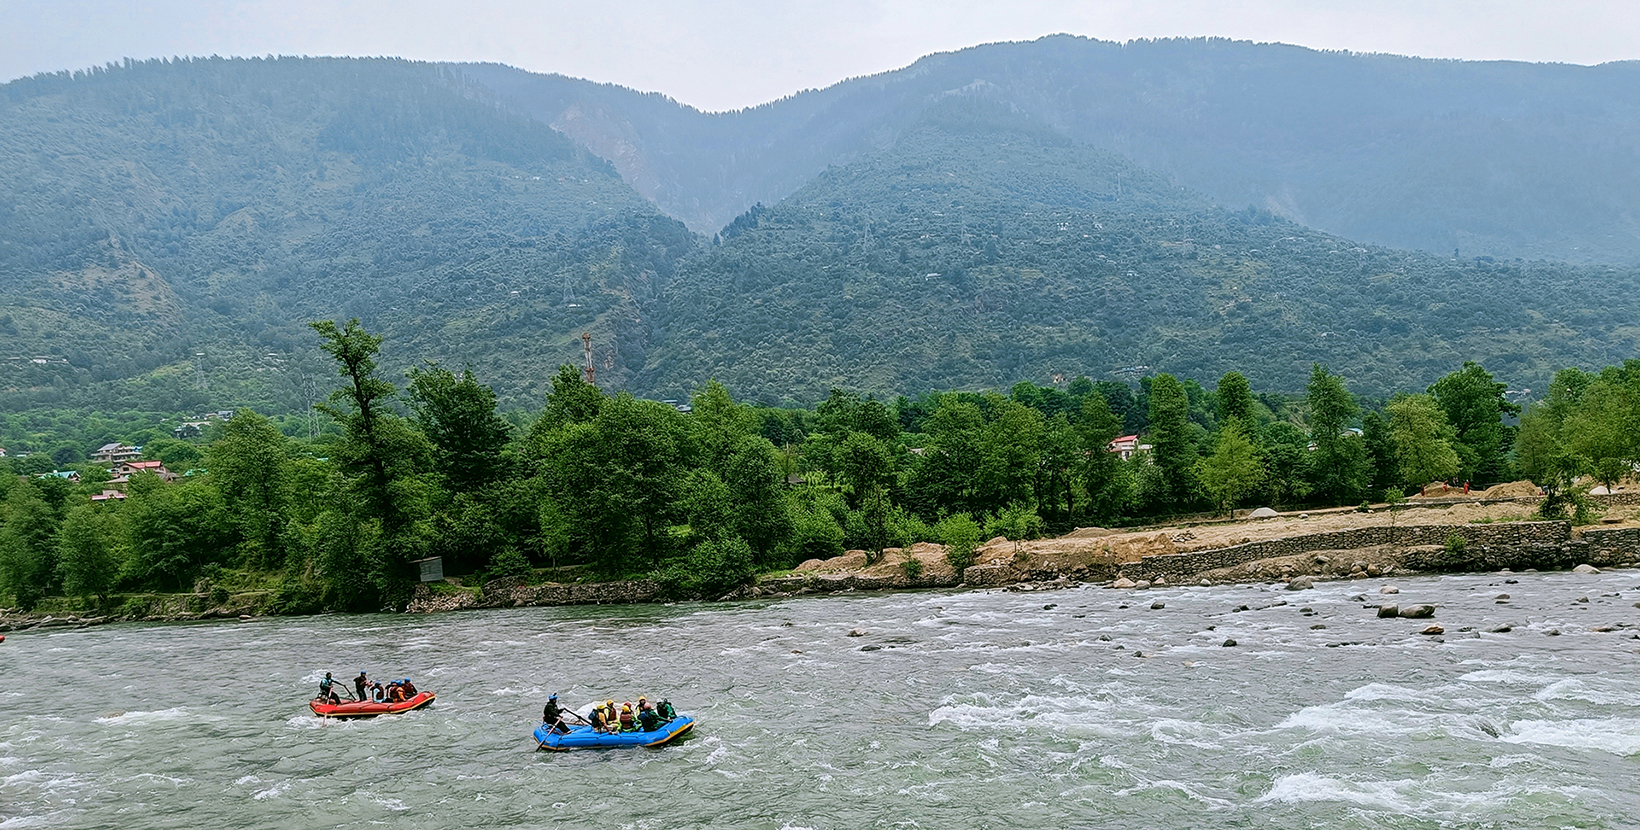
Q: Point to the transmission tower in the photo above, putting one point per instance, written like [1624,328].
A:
[586,345]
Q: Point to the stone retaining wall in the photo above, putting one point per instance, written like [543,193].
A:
[502,593]
[1612,545]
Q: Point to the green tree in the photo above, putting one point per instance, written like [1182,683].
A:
[88,556]
[1232,470]
[381,455]
[175,530]
[1340,461]
[250,465]
[28,549]
[1235,396]
[458,415]
[864,464]
[1108,482]
[1475,406]
[1423,440]
[1604,430]
[1172,451]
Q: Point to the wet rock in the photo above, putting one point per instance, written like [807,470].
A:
[1389,589]
[246,617]
[1229,643]
[1120,648]
[1488,729]
[1205,583]
[1388,611]
[1120,607]
[1418,612]
[1300,583]
[1079,616]
[1123,582]
[1510,581]
[1212,627]
[1157,605]
[1553,632]
[1142,584]
[1104,638]
[1358,567]
[1160,580]
[1585,569]
[1240,608]
[1317,627]
[1604,629]
[855,632]
[1359,598]
[797,651]
[1582,599]
[1374,570]
[1500,629]
[1050,606]
[1433,630]
[1501,596]
[871,648]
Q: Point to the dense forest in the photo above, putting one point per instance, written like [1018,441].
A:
[170,227]
[1494,158]
[982,250]
[595,485]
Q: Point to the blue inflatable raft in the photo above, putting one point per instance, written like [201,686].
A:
[582,737]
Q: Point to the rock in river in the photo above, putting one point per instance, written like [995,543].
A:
[1418,612]
[1585,569]
[1300,583]
[1388,611]
[1434,629]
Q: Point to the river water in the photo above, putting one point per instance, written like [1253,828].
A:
[979,709]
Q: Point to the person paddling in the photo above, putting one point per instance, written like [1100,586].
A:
[554,716]
[327,692]
[360,684]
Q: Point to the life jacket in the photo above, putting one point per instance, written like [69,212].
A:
[597,718]
[649,719]
[666,711]
[395,693]
[409,690]
[626,720]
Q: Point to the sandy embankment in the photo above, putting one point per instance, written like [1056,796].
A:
[1100,550]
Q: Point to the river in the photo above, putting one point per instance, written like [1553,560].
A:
[951,710]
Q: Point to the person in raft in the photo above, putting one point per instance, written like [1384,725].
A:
[648,721]
[409,688]
[554,716]
[665,710]
[600,719]
[361,684]
[327,690]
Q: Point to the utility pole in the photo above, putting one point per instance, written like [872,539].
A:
[586,344]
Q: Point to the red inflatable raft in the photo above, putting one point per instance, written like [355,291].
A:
[354,709]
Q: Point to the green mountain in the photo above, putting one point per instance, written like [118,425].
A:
[984,248]
[1494,158]
[168,229]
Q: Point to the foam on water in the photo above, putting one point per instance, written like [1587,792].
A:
[176,713]
[1619,736]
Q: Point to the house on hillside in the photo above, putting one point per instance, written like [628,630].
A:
[124,472]
[109,495]
[189,429]
[71,476]
[116,453]
[1127,446]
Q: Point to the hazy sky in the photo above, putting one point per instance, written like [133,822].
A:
[721,54]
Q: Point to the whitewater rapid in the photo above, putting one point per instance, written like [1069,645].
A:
[1077,707]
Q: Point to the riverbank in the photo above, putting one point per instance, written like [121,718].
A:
[1450,537]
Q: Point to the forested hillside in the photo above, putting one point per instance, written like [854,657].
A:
[983,249]
[1495,158]
[169,229]
[179,223]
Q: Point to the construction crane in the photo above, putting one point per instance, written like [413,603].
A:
[586,344]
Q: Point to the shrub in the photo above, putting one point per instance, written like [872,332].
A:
[913,567]
[508,562]
[961,537]
[1456,544]
[1016,521]
[711,570]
